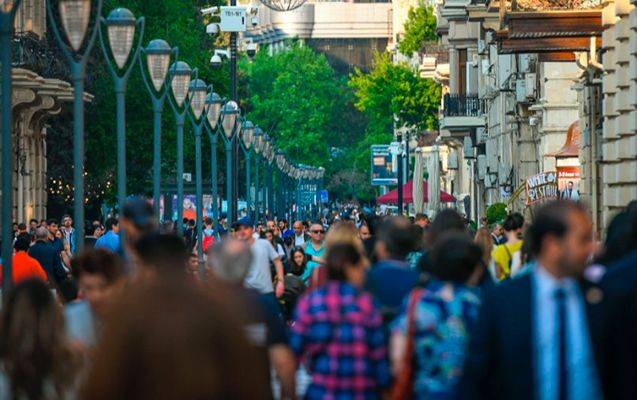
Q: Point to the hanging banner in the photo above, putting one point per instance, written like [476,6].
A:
[383,173]
[541,187]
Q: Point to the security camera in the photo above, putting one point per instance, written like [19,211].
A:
[208,11]
[251,49]
[215,61]
[212,29]
[254,21]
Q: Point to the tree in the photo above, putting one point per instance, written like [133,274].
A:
[420,27]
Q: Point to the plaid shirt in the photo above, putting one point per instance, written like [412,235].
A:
[340,336]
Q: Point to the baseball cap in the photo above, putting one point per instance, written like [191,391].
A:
[245,221]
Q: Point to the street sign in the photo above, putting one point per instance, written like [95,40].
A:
[383,171]
[324,196]
[233,19]
[541,187]
[187,177]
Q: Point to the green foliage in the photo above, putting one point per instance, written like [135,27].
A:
[496,213]
[420,27]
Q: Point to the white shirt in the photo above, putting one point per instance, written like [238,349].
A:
[299,240]
[259,276]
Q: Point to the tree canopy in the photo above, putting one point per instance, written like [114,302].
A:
[420,27]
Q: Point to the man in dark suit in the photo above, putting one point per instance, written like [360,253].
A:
[47,256]
[536,337]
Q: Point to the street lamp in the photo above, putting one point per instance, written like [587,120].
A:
[179,76]
[7,14]
[154,75]
[229,114]
[75,16]
[121,26]
[257,140]
[213,105]
[247,133]
[197,93]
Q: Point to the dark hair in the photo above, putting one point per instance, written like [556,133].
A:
[98,262]
[33,220]
[110,222]
[22,242]
[337,257]
[52,221]
[513,222]
[22,226]
[191,222]
[167,253]
[454,257]
[293,266]
[621,235]
[33,347]
[446,220]
[207,221]
[398,235]
[551,219]
[421,217]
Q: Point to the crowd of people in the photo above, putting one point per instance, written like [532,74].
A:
[351,306]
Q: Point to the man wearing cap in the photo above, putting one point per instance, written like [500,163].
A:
[259,276]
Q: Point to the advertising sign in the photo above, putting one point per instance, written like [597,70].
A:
[568,182]
[541,187]
[383,173]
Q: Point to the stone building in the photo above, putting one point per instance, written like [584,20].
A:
[38,93]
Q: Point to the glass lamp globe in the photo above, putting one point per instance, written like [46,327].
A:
[75,16]
[180,81]
[120,25]
[158,60]
[257,139]
[247,133]
[229,114]
[214,102]
[197,92]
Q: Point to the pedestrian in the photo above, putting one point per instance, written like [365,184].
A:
[536,337]
[431,333]
[36,361]
[230,262]
[24,267]
[161,257]
[33,225]
[484,240]
[496,234]
[110,239]
[208,234]
[137,220]
[297,263]
[391,278]
[69,232]
[169,339]
[269,236]
[300,237]
[283,228]
[507,257]
[43,223]
[314,247]
[352,363]
[259,276]
[363,232]
[422,220]
[100,277]
[48,257]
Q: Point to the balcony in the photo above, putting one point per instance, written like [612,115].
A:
[462,112]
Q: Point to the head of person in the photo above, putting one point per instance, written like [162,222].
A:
[98,231]
[100,278]
[59,234]
[513,225]
[343,232]
[422,220]
[456,258]
[446,220]
[167,227]
[15,226]
[22,242]
[169,340]
[138,219]
[269,235]
[569,185]
[561,238]
[42,234]
[270,224]
[363,232]
[192,267]
[191,223]
[208,223]
[244,229]
[317,233]
[496,229]
[298,228]
[395,239]
[33,224]
[33,347]
[160,256]
[229,260]
[344,262]
[259,229]
[43,223]
[53,227]
[22,228]
[484,240]
[282,224]
[298,260]
[112,224]
[67,221]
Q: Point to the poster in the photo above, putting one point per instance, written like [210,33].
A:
[541,187]
[568,178]
[189,206]
[382,167]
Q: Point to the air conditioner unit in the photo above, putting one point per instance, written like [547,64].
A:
[520,90]
[530,80]
[482,166]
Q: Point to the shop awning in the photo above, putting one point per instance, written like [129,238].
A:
[408,195]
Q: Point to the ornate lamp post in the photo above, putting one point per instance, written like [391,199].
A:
[258,143]
[197,93]
[213,105]
[247,133]
[121,26]
[154,75]
[229,115]
[7,14]
[75,16]
[280,162]
[179,77]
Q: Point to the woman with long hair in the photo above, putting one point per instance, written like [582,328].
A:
[298,261]
[35,360]
[339,324]
[484,240]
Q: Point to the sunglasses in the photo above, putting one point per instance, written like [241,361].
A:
[321,231]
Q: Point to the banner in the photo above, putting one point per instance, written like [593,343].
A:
[383,173]
[541,187]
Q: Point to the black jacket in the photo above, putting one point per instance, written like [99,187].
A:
[49,259]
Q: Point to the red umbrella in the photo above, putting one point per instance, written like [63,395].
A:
[408,195]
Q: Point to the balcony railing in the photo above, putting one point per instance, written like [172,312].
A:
[462,105]
[39,55]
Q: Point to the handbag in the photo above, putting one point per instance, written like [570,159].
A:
[403,388]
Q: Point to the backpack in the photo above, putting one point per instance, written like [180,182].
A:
[208,240]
